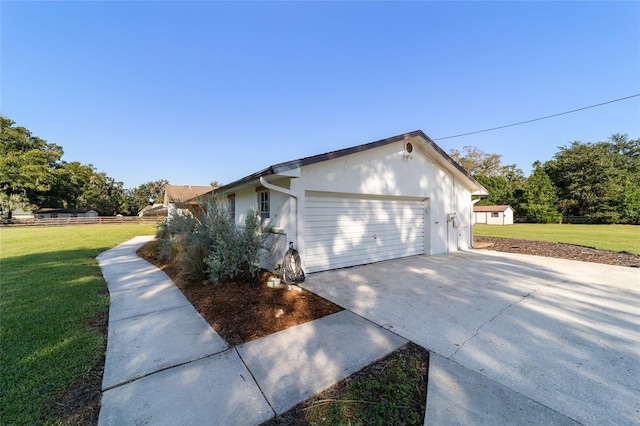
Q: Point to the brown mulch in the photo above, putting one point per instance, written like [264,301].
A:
[241,312]
[559,250]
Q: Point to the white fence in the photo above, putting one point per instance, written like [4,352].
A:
[65,221]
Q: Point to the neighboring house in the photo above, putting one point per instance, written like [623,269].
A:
[52,213]
[21,214]
[178,198]
[383,200]
[493,215]
[154,210]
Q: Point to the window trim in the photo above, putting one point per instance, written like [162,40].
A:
[264,204]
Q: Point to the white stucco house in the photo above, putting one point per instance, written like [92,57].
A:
[395,197]
[493,215]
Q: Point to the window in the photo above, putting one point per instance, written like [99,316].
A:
[263,204]
[232,206]
[495,214]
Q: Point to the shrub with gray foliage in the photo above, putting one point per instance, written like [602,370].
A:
[208,246]
[235,252]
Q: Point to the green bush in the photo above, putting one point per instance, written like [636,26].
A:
[209,245]
[235,252]
[184,239]
[174,234]
[542,213]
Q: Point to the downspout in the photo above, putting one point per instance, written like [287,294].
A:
[472,220]
[288,192]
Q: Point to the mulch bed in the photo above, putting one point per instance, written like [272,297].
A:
[559,250]
[241,312]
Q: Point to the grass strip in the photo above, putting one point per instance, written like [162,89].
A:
[51,288]
[392,391]
[617,238]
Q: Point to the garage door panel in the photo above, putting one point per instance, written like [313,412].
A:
[342,231]
[399,250]
[346,232]
[345,239]
[339,246]
[345,261]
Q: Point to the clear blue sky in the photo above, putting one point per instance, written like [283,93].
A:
[194,92]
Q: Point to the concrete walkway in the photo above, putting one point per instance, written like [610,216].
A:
[166,365]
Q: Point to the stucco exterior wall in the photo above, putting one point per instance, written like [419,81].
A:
[387,171]
[383,171]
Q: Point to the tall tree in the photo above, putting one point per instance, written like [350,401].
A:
[32,175]
[27,165]
[505,183]
[599,180]
[145,194]
[477,162]
[540,197]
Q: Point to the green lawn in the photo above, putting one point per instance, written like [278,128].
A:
[50,288]
[605,237]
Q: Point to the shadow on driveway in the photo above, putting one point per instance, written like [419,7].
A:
[562,333]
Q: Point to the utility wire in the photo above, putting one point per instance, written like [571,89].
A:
[537,119]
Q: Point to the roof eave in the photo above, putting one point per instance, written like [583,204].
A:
[281,168]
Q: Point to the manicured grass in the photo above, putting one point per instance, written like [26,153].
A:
[604,237]
[392,391]
[392,394]
[51,288]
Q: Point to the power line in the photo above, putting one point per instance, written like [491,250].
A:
[537,119]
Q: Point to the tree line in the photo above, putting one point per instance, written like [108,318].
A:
[33,175]
[596,180]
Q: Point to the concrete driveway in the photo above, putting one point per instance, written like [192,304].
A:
[514,338]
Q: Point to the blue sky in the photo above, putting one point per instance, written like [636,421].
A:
[194,92]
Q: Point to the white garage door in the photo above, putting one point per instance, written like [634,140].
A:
[345,231]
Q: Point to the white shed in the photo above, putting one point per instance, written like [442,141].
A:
[493,215]
[383,200]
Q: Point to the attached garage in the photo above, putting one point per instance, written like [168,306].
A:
[343,230]
[396,197]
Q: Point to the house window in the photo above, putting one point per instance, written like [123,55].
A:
[495,214]
[232,206]
[263,204]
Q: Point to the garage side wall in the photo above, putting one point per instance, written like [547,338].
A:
[386,171]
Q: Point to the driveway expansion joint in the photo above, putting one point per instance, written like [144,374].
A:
[159,370]
[275,414]
[492,319]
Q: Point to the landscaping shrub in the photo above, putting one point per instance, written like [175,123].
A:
[174,234]
[235,253]
[209,245]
